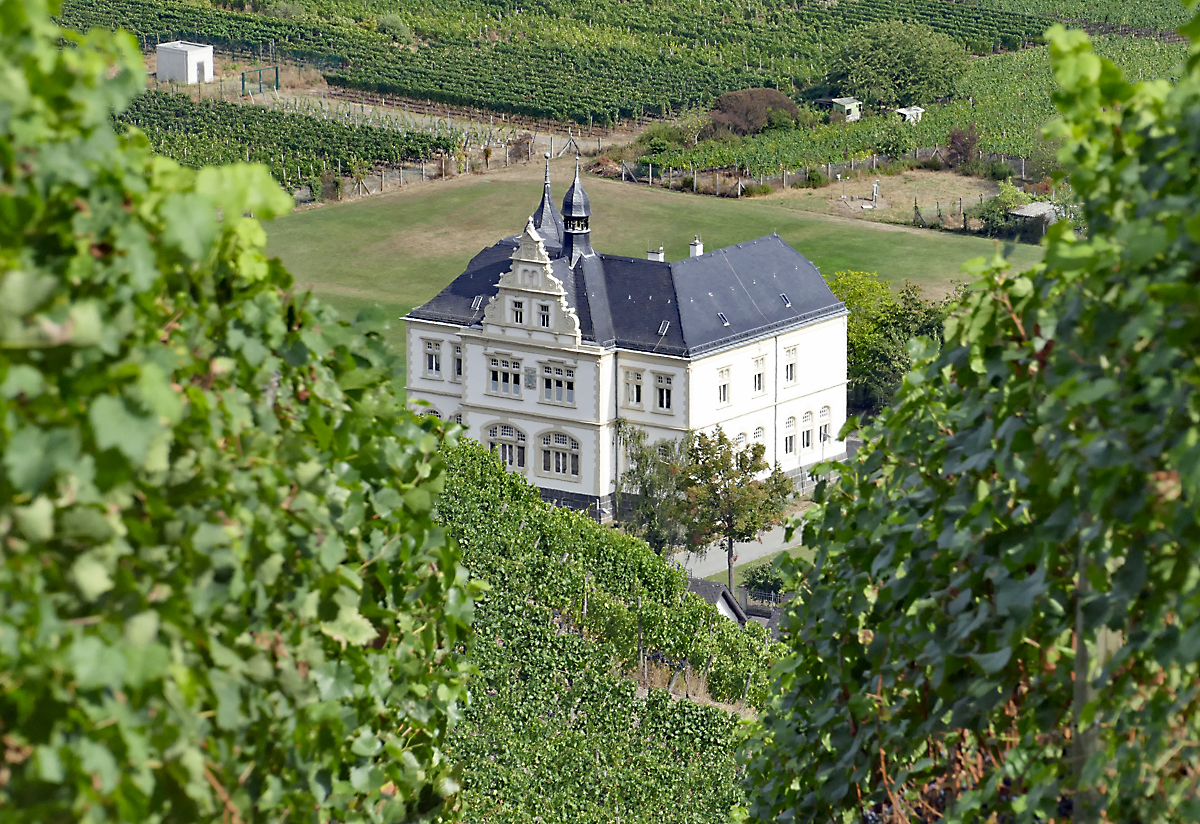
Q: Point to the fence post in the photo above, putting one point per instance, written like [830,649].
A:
[641,652]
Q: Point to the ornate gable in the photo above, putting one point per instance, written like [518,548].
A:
[526,289]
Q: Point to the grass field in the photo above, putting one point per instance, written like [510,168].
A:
[399,250]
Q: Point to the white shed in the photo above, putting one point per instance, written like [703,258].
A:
[911,114]
[185,62]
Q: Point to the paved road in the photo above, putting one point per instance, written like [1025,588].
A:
[701,566]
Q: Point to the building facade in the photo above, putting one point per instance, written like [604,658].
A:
[543,344]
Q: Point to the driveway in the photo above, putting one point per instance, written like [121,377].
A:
[713,561]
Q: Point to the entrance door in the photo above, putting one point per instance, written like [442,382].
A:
[201,76]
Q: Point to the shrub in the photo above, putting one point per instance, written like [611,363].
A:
[222,595]
[933,164]
[747,111]
[757,189]
[815,179]
[961,145]
[393,26]
[285,10]
[763,578]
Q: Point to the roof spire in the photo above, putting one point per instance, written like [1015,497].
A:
[546,218]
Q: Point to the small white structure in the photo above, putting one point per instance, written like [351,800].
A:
[185,62]
[1041,211]
[911,114]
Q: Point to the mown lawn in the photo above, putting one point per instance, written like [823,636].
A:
[400,249]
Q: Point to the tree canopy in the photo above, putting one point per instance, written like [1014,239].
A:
[222,593]
[1003,619]
[892,63]
[880,326]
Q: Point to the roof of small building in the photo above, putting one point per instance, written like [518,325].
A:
[709,302]
[1039,209]
[716,594]
[185,45]
[847,101]
[911,110]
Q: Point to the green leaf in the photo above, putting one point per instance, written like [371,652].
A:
[36,521]
[90,575]
[992,662]
[114,426]
[350,627]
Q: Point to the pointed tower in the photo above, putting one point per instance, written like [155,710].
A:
[576,209]
[546,218]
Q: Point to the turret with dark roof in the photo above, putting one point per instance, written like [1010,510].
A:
[576,211]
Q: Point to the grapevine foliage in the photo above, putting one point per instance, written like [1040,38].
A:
[1032,494]
[554,728]
[293,146]
[222,594]
[588,62]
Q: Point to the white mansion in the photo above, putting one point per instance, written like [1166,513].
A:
[543,343]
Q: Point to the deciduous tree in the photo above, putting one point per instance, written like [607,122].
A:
[897,64]
[732,493]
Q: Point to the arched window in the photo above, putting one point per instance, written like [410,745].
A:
[560,455]
[808,418]
[433,413]
[824,413]
[806,433]
[789,438]
[790,423]
[759,433]
[741,439]
[824,433]
[508,442]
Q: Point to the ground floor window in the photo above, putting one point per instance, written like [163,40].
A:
[560,455]
[508,443]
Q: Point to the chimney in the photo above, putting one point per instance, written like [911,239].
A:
[659,255]
[697,247]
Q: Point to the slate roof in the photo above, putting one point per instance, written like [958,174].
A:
[622,302]
[715,593]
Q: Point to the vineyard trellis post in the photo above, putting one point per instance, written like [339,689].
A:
[641,652]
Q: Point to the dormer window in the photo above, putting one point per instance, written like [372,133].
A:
[476,303]
[724,320]
[663,327]
[518,312]
[786,301]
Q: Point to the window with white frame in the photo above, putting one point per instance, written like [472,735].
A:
[806,439]
[759,433]
[518,312]
[433,359]
[760,365]
[664,392]
[458,419]
[633,388]
[508,443]
[506,377]
[823,432]
[789,436]
[544,315]
[560,455]
[558,385]
[740,440]
[722,386]
[456,375]
[789,366]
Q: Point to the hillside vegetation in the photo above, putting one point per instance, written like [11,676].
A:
[556,728]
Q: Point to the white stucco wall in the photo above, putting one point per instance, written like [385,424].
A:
[184,62]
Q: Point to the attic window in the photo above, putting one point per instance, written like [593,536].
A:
[663,327]
[786,301]
[475,303]
[724,320]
